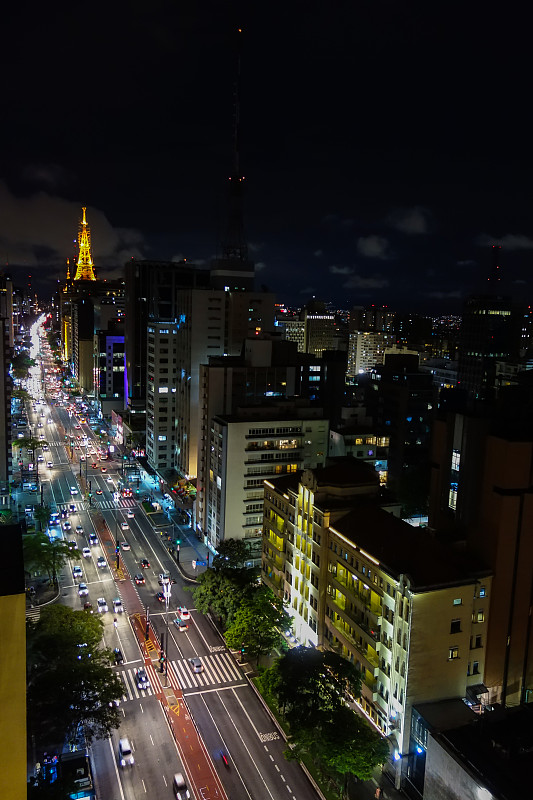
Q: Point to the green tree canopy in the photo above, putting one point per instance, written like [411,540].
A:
[47,556]
[312,685]
[258,623]
[70,681]
[21,364]
[309,686]
[232,554]
[220,592]
[42,515]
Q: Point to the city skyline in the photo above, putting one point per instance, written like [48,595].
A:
[380,165]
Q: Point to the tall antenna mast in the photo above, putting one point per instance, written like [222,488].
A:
[234,245]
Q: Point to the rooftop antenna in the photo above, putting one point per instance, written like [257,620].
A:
[234,245]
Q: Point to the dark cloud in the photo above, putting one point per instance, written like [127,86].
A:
[410,220]
[360,282]
[374,247]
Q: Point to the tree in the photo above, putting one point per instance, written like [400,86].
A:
[231,554]
[219,592]
[258,623]
[70,681]
[21,364]
[30,443]
[42,515]
[6,517]
[312,685]
[44,555]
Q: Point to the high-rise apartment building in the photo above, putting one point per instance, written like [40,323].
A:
[404,609]
[366,349]
[247,448]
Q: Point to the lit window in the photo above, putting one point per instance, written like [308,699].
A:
[161,438]
[458,601]
[163,390]
[454,653]
[482,591]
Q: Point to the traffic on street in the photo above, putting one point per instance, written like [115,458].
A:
[191,725]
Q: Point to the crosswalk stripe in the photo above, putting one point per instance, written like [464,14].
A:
[126,684]
[33,614]
[224,668]
[219,668]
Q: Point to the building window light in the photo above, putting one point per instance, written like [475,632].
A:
[163,390]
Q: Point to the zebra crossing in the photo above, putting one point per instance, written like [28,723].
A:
[122,502]
[131,692]
[219,668]
[33,614]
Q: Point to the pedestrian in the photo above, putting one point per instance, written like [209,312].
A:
[378,793]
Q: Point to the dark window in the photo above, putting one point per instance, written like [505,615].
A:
[455,626]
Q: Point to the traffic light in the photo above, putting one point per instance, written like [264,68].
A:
[117,548]
[178,541]
[242,648]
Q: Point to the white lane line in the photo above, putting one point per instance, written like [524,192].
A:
[144,785]
[216,689]
[114,760]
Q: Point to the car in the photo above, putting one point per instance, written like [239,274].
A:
[41,437]
[77,572]
[83,590]
[141,679]
[196,664]
[77,427]
[183,613]
[40,459]
[40,425]
[109,479]
[99,491]
[82,457]
[124,546]
[130,514]
[94,466]
[101,605]
[72,545]
[180,624]
[45,448]
[118,608]
[72,508]
[160,596]
[86,553]
[139,579]
[125,754]
[73,490]
[145,563]
[49,420]
[124,526]
[93,538]
[49,464]
[88,607]
[64,513]
[67,526]
[179,787]
[117,656]
[101,562]
[163,579]
[79,529]
[103,469]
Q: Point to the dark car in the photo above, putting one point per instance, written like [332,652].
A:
[145,563]
[72,545]
[139,579]
[117,656]
[161,597]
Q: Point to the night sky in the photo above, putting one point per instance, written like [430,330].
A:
[385,145]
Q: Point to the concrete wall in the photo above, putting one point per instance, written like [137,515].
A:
[446,778]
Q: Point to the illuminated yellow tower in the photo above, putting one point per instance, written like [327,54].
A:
[84,271]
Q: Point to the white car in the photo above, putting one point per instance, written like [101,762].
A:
[83,591]
[183,612]
[50,465]
[73,490]
[102,605]
[102,563]
[124,753]
[77,572]
[118,608]
[130,514]
[86,553]
[124,546]
[124,526]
